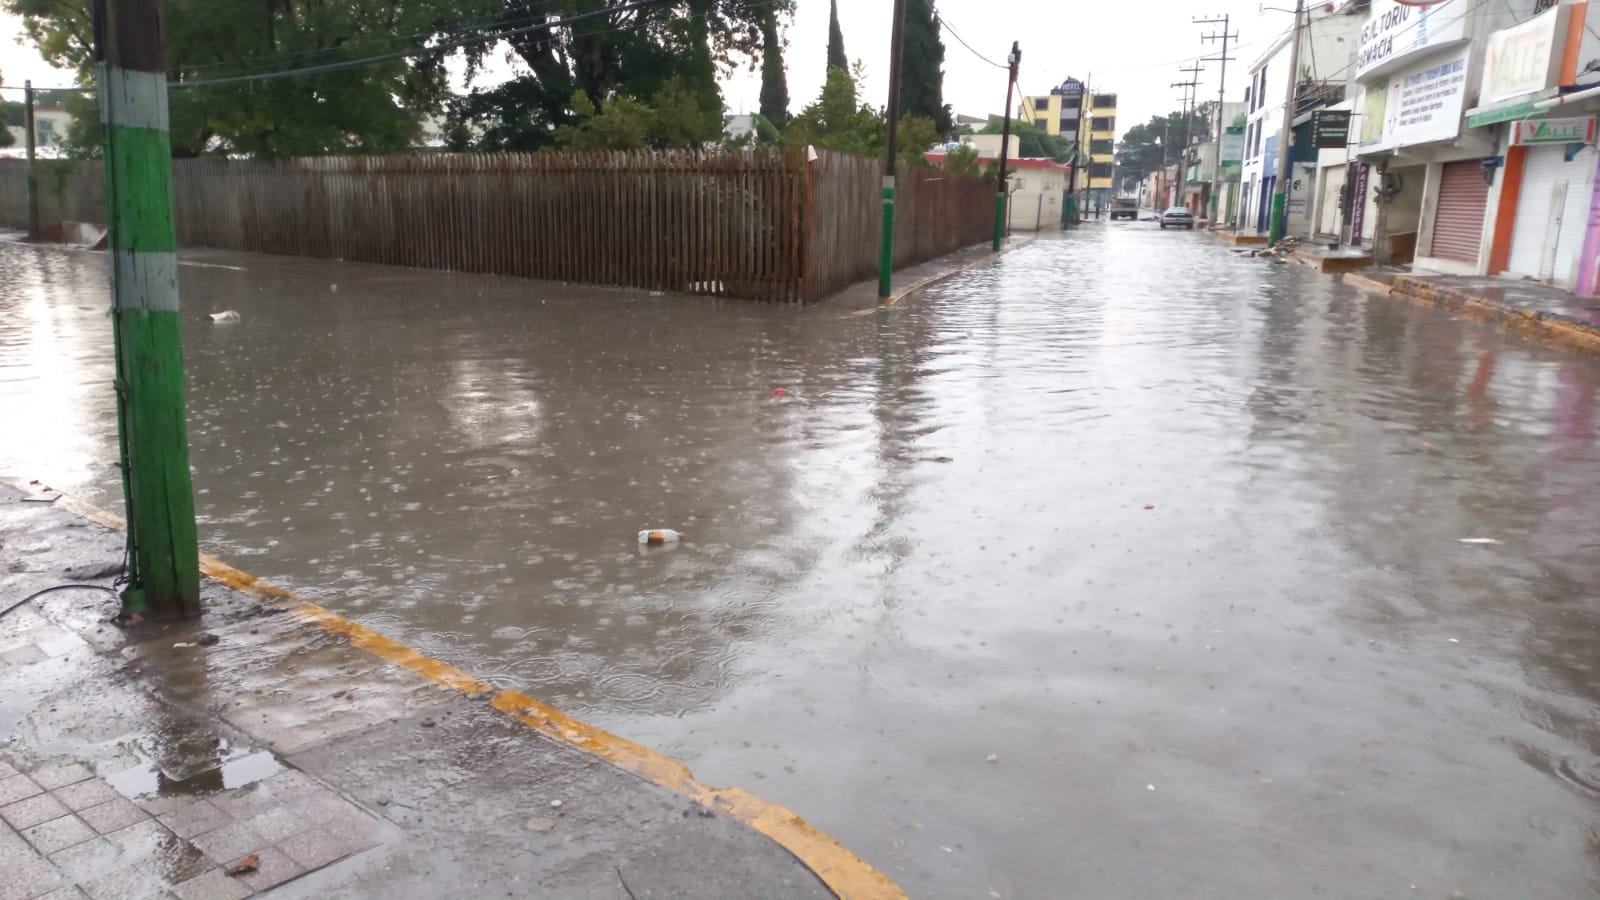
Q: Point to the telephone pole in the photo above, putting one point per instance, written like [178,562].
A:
[163,574]
[886,243]
[33,152]
[1277,225]
[1222,92]
[1015,59]
[1190,90]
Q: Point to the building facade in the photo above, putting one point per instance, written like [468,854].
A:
[1088,120]
[1328,37]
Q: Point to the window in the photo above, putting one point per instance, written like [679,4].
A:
[1105,101]
[1101,123]
[1041,104]
[1100,170]
[1101,147]
[1249,94]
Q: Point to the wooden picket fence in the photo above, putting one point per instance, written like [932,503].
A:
[765,223]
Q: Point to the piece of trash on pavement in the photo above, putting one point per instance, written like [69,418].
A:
[227,315]
[555,804]
[779,392]
[541,823]
[184,644]
[1149,506]
[245,866]
[659,536]
[1479,541]
[993,757]
[1454,641]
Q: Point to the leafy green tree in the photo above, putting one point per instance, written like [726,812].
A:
[774,81]
[375,108]
[622,51]
[836,57]
[1034,142]
[1148,147]
[837,120]
[676,119]
[963,160]
[922,75]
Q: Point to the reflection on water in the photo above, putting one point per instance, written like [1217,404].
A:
[1174,535]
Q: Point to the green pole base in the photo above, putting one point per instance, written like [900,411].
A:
[1276,224]
[886,243]
[999,220]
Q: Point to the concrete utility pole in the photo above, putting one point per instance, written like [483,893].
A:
[1278,224]
[164,575]
[1015,59]
[897,42]
[33,154]
[1222,93]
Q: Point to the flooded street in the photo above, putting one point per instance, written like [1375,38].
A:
[1123,566]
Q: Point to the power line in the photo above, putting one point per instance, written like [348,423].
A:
[415,51]
[945,24]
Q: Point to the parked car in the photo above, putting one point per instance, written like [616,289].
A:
[1124,208]
[1178,217]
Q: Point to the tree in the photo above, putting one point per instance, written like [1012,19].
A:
[676,118]
[373,108]
[1034,142]
[774,82]
[836,57]
[1154,145]
[963,160]
[922,75]
[619,49]
[837,120]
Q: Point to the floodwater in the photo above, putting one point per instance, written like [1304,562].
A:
[1122,567]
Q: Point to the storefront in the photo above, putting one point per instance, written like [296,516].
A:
[1546,160]
[1459,216]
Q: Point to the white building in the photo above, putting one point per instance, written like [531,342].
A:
[1328,37]
[1420,70]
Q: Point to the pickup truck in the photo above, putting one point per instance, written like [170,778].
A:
[1124,208]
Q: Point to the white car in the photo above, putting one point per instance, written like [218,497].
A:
[1178,217]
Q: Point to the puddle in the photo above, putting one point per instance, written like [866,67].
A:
[143,782]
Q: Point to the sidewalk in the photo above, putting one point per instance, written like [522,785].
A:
[336,762]
[913,279]
[1538,311]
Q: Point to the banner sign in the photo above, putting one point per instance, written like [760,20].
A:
[1330,128]
[1396,30]
[1554,131]
[1232,152]
[1421,104]
[1521,59]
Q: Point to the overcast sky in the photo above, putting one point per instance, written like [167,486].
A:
[1131,47]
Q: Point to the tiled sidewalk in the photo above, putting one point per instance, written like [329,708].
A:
[63,826]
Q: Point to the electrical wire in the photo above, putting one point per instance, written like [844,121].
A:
[945,24]
[59,587]
[415,51]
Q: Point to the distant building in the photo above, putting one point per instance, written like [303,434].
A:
[1088,120]
[50,124]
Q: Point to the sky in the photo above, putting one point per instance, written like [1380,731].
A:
[1133,48]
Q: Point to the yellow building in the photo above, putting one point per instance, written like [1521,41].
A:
[1088,120]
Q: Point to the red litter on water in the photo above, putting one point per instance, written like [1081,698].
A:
[779,392]
[1149,506]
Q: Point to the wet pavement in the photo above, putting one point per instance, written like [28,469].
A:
[1121,566]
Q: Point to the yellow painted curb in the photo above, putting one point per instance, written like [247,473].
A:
[846,874]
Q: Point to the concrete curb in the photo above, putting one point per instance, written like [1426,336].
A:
[844,873]
[1547,328]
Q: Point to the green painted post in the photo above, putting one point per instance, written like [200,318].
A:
[164,574]
[886,241]
[999,219]
[1275,223]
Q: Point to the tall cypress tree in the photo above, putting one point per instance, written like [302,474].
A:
[836,57]
[774,81]
[922,67]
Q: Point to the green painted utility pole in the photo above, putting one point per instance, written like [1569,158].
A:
[1278,224]
[33,153]
[1000,193]
[164,575]
[897,42]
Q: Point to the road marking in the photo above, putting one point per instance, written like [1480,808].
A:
[847,875]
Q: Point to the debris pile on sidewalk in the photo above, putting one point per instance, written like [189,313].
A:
[1278,252]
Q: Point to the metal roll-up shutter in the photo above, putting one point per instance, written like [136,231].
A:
[1458,221]
[1552,212]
